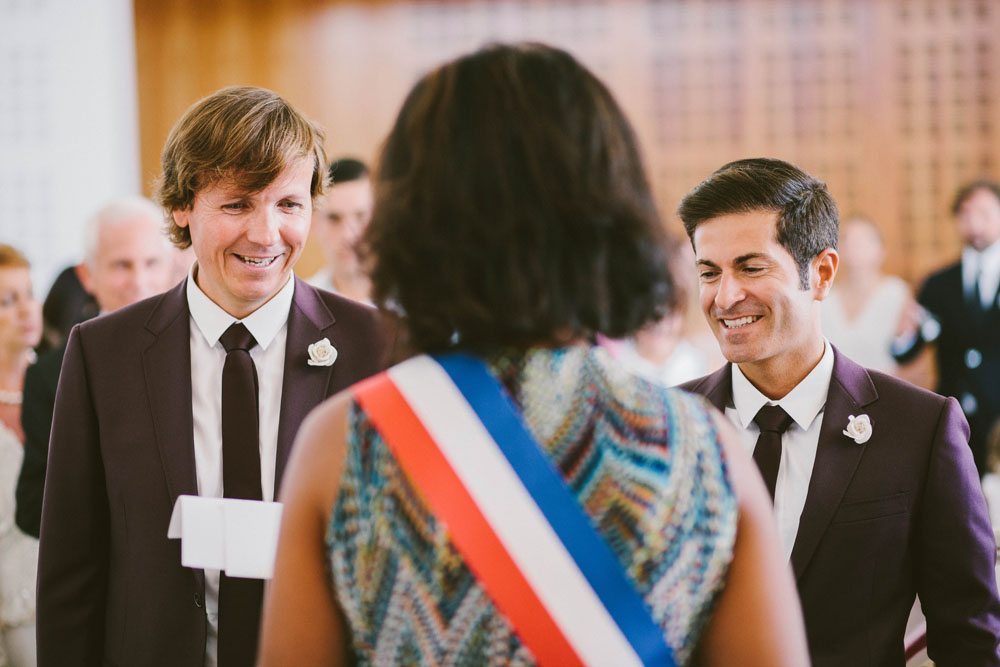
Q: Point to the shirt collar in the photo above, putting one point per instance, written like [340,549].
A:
[988,257]
[263,323]
[802,403]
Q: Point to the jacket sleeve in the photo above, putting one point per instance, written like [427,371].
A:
[905,349]
[957,553]
[74,545]
[36,420]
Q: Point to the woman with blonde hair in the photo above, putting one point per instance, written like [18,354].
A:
[20,332]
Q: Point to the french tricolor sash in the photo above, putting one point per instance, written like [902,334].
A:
[464,446]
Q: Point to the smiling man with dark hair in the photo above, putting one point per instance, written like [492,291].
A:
[874,487]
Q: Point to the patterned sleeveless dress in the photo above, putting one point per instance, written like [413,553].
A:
[643,461]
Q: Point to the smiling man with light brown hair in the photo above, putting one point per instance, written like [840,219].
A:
[198,391]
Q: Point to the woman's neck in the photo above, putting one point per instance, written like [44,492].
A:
[13,362]
[856,280]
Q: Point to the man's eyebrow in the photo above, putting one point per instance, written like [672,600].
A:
[231,190]
[708,263]
[743,259]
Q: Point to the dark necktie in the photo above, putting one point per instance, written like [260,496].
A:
[772,421]
[239,599]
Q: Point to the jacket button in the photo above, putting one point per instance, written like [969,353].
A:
[197,600]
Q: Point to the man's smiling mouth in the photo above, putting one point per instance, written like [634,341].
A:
[257,261]
[741,321]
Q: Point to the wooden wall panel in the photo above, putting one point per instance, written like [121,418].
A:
[892,103]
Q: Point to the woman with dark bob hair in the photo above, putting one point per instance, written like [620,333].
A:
[508,494]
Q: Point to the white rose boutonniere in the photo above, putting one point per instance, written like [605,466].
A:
[859,428]
[322,353]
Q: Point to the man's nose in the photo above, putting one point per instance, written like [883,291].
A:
[263,226]
[729,293]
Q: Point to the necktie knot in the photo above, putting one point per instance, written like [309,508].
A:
[237,337]
[772,419]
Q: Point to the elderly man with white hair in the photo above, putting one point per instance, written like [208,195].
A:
[127,258]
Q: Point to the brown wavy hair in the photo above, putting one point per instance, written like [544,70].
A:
[242,133]
[512,208]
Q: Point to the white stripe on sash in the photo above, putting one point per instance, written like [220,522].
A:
[511,511]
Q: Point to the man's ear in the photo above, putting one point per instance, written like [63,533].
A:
[83,272]
[824,268]
[180,217]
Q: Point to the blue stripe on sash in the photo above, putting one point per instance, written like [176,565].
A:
[562,510]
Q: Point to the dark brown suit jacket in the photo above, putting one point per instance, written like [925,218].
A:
[900,515]
[111,588]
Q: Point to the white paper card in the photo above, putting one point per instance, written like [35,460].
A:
[251,538]
[239,537]
[199,523]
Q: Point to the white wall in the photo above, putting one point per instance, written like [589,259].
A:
[68,122]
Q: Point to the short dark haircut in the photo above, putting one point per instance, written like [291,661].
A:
[807,215]
[512,208]
[972,188]
[346,169]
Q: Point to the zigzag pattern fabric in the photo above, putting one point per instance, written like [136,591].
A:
[643,461]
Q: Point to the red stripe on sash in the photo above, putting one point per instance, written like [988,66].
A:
[446,496]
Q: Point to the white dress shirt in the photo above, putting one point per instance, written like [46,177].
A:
[804,404]
[986,263]
[268,324]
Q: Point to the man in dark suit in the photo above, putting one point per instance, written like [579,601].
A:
[875,492]
[197,391]
[126,259]
[964,302]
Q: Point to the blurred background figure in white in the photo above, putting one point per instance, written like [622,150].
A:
[862,314]
[180,264]
[667,351]
[20,332]
[339,222]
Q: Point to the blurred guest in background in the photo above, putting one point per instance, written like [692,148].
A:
[127,258]
[863,312]
[66,304]
[964,306]
[20,331]
[660,351]
[340,220]
[515,221]
[181,260]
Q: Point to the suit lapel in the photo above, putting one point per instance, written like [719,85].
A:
[717,388]
[303,386]
[167,371]
[837,457]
